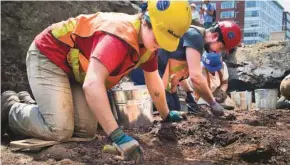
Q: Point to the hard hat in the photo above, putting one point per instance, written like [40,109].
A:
[231,33]
[170,19]
[212,61]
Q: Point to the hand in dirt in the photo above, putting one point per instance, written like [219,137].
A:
[175,116]
[220,95]
[283,103]
[216,109]
[135,154]
[124,146]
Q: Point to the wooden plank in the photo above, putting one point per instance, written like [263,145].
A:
[32,144]
[36,144]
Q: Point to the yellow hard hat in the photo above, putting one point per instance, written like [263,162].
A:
[170,19]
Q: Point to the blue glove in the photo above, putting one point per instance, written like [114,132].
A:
[127,147]
[174,116]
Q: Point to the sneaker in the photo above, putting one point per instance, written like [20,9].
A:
[25,97]
[8,98]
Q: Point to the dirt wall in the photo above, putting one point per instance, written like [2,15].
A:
[22,21]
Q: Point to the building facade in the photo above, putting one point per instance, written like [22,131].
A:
[286,24]
[227,10]
[261,19]
[257,19]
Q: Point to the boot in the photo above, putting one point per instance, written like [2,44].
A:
[25,97]
[8,98]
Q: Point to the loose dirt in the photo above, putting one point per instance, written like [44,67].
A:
[241,137]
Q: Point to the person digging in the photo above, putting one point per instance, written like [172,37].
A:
[72,64]
[216,73]
[174,67]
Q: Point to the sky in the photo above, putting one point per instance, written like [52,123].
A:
[285,4]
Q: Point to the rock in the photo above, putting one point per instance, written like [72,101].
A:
[262,65]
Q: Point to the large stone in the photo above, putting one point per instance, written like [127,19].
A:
[263,65]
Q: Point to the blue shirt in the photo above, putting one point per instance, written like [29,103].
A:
[208,18]
[192,38]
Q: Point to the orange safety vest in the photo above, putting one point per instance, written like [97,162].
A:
[123,26]
[175,71]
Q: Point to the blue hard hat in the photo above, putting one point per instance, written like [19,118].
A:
[212,61]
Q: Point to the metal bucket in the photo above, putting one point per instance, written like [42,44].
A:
[138,92]
[266,98]
[134,106]
[243,100]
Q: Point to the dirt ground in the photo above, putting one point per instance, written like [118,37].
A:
[241,137]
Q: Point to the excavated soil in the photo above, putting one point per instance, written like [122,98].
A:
[241,137]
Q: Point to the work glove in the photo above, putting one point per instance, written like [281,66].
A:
[220,95]
[191,104]
[216,109]
[175,116]
[125,146]
[283,103]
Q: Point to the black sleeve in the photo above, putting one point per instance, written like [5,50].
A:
[193,39]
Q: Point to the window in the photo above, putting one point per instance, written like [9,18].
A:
[253,24]
[227,4]
[264,36]
[251,4]
[248,42]
[254,13]
[227,14]
[262,4]
[250,34]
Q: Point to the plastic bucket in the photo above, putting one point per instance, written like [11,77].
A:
[242,100]
[266,98]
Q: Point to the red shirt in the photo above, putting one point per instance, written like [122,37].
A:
[116,55]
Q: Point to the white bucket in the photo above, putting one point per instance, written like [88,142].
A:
[266,98]
[242,100]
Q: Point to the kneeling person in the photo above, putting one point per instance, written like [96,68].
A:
[216,73]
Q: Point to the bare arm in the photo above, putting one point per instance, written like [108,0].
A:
[96,95]
[157,92]
[224,86]
[195,73]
